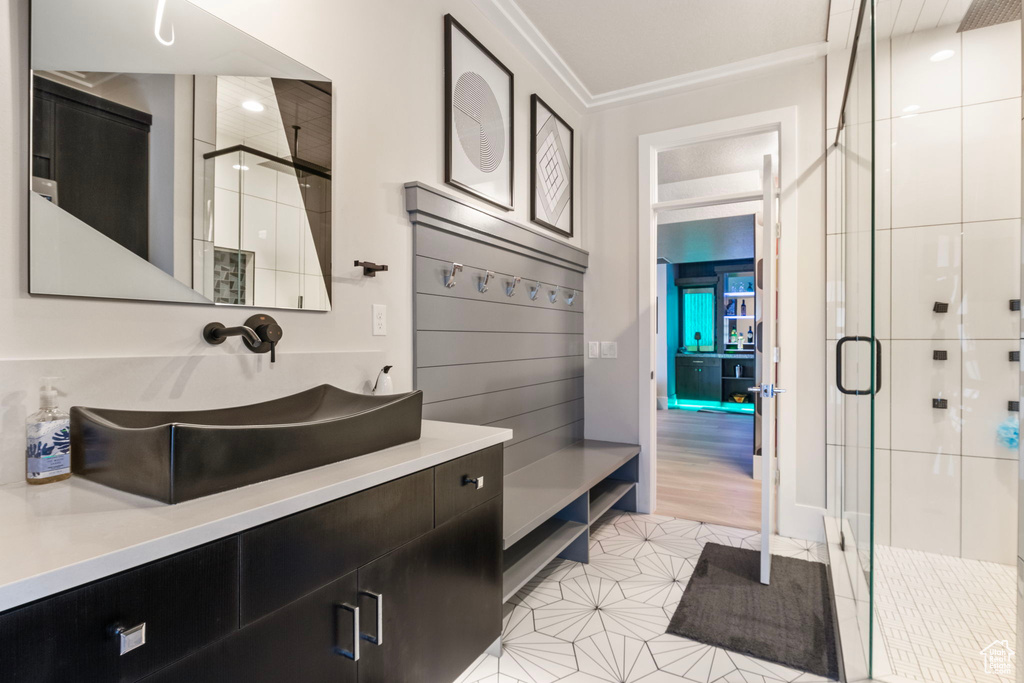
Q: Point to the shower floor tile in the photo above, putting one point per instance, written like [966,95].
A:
[936,614]
[605,621]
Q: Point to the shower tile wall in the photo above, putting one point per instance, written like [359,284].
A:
[948,221]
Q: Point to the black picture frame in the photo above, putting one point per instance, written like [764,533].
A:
[450,24]
[536,101]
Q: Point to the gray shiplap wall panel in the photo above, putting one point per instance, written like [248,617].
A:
[532,450]
[451,314]
[430,280]
[541,421]
[442,210]
[458,348]
[443,383]
[499,405]
[445,247]
[486,357]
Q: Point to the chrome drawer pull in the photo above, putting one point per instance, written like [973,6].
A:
[478,481]
[352,654]
[378,638]
[130,638]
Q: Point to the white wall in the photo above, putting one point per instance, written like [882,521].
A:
[611,387]
[385,59]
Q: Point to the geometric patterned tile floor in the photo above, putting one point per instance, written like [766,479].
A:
[605,621]
[937,613]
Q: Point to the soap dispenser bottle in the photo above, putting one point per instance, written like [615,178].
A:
[383,385]
[48,452]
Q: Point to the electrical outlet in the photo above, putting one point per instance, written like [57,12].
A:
[594,349]
[380,320]
[609,350]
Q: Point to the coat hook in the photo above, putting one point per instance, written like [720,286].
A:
[554,295]
[511,290]
[534,291]
[449,278]
[572,298]
[487,278]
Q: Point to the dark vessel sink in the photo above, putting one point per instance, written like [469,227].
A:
[178,456]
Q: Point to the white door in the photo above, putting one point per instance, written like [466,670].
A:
[765,277]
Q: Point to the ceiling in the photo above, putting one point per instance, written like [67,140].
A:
[716,157]
[713,239]
[612,44]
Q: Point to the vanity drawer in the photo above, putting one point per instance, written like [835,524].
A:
[454,490]
[696,361]
[285,559]
[185,602]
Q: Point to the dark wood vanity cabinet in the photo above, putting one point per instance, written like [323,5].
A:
[277,602]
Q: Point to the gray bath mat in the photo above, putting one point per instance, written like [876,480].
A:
[788,622]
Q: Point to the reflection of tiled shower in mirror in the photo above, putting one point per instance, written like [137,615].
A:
[263,206]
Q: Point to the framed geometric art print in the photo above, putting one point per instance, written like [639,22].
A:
[478,97]
[551,165]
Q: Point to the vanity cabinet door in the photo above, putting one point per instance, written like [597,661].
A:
[290,557]
[185,602]
[440,599]
[299,642]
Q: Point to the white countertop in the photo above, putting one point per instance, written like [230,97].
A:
[61,535]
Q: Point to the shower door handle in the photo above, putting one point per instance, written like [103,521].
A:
[839,366]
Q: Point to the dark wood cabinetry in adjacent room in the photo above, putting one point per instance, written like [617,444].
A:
[419,557]
[97,151]
[699,379]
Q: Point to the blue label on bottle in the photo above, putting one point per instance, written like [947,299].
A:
[49,449]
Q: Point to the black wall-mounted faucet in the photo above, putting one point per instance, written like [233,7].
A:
[260,334]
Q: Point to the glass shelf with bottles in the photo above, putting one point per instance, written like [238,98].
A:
[739,308]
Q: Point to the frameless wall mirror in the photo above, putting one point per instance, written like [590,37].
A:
[175,158]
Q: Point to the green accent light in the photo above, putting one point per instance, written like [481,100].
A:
[729,407]
[699,316]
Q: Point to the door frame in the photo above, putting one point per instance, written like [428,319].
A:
[799,521]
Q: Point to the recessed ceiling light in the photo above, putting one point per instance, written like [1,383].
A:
[240,167]
[252,105]
[911,107]
[942,55]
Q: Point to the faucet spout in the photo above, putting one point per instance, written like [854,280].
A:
[260,332]
[215,333]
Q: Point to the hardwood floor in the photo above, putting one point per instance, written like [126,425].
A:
[705,468]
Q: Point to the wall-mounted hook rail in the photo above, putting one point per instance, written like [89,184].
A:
[449,278]
[370,269]
[534,291]
[572,299]
[511,289]
[486,278]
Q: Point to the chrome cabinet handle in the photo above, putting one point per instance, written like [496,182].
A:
[477,481]
[130,638]
[352,654]
[377,638]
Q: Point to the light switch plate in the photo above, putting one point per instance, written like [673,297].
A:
[609,350]
[594,349]
[380,320]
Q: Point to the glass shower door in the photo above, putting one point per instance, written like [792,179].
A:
[857,351]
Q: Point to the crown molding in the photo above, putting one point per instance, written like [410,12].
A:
[521,32]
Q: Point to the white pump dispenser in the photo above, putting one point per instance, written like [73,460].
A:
[384,385]
[48,433]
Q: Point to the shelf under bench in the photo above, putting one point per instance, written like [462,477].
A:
[550,505]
